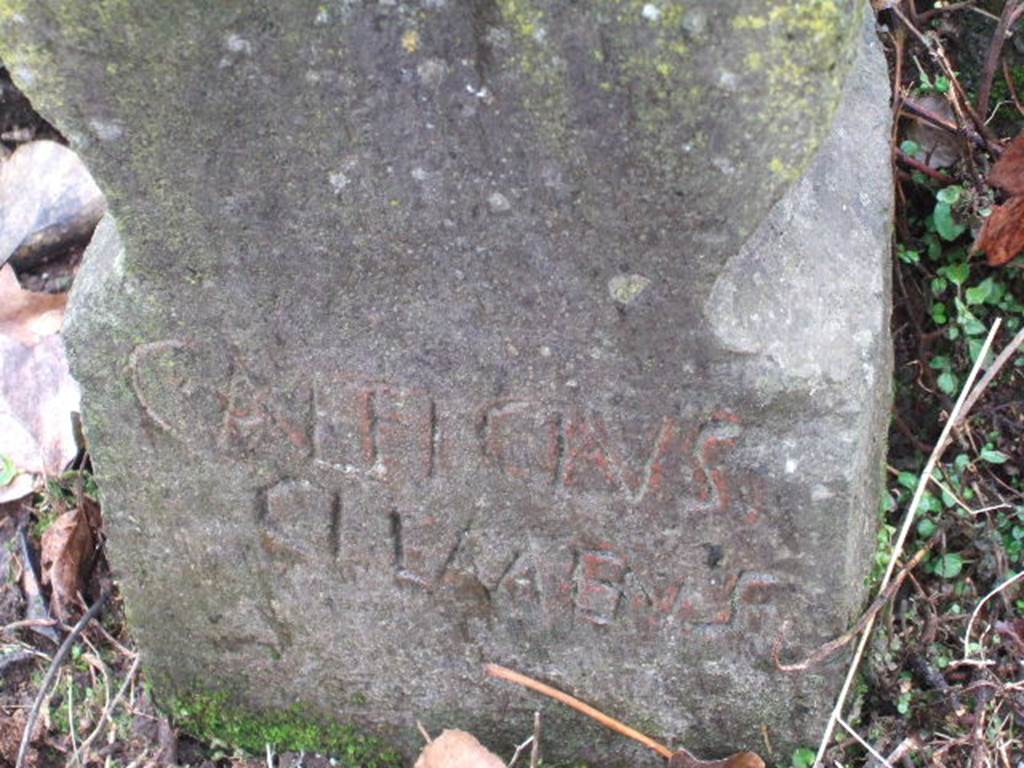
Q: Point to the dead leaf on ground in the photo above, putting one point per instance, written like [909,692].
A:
[457,749]
[37,392]
[67,549]
[25,315]
[1008,172]
[939,146]
[1002,236]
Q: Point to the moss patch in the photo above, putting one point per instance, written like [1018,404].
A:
[213,717]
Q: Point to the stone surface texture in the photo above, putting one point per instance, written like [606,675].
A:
[432,334]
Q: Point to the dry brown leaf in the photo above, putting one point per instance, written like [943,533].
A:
[939,146]
[1002,236]
[37,393]
[25,315]
[67,549]
[37,397]
[1008,172]
[457,749]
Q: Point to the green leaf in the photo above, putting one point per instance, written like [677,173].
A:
[926,528]
[941,363]
[948,566]
[911,148]
[939,285]
[908,257]
[980,293]
[947,382]
[992,456]
[949,195]
[803,758]
[974,346]
[903,703]
[908,480]
[930,504]
[943,84]
[957,273]
[7,470]
[948,228]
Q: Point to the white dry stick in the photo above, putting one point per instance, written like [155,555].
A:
[535,747]
[991,373]
[897,549]
[519,749]
[977,609]
[863,742]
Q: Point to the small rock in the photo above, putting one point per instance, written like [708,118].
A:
[48,204]
[625,288]
[498,203]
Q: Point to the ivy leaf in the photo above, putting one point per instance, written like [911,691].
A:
[911,148]
[948,566]
[957,273]
[926,528]
[947,382]
[979,293]
[948,228]
[7,470]
[993,456]
[930,503]
[949,195]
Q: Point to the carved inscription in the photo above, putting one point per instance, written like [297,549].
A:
[394,444]
[599,577]
[376,429]
[299,518]
[380,431]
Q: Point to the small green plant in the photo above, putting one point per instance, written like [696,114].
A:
[213,718]
[803,757]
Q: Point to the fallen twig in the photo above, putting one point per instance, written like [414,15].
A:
[108,711]
[990,373]
[860,740]
[832,646]
[924,168]
[1011,15]
[977,610]
[535,746]
[51,675]
[503,673]
[908,521]
[680,758]
[519,750]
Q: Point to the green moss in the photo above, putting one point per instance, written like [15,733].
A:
[541,65]
[213,717]
[792,49]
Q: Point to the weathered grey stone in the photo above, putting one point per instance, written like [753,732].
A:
[454,332]
[48,204]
